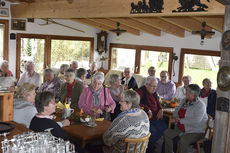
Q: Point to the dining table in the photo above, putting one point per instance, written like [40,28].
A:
[168,112]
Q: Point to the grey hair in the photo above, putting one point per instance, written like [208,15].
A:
[74,62]
[149,79]
[187,76]
[151,68]
[29,63]
[194,89]
[131,96]
[48,70]
[4,62]
[64,67]
[99,76]
[113,78]
[127,69]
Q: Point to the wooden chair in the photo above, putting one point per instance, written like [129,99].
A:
[143,141]
[207,129]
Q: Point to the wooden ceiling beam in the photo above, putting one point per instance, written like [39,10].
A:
[101,9]
[93,24]
[138,25]
[113,25]
[187,23]
[216,22]
[162,25]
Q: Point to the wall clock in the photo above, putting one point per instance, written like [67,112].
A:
[102,42]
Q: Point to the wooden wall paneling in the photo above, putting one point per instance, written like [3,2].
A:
[162,25]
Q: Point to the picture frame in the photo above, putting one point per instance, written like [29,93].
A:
[4,12]
[18,24]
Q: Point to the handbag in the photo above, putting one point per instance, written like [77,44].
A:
[105,115]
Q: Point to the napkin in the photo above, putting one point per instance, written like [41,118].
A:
[99,119]
[60,105]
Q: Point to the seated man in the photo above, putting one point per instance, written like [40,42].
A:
[128,80]
[4,69]
[30,75]
[166,88]
[149,101]
[74,66]
[181,90]
[92,70]
[151,72]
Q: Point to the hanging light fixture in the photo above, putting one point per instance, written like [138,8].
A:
[118,31]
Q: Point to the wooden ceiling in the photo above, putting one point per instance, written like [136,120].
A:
[104,14]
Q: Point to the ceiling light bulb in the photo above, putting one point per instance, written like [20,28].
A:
[117,35]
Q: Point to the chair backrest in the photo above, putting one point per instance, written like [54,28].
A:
[208,128]
[142,141]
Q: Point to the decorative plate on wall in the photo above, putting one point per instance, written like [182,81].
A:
[226,40]
[223,78]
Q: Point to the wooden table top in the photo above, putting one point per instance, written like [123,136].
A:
[85,133]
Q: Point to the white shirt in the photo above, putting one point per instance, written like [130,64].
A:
[35,79]
[180,93]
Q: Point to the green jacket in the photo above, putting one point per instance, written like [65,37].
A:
[76,92]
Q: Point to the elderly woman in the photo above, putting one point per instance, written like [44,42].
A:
[128,80]
[24,109]
[190,118]
[133,122]
[45,105]
[181,90]
[30,75]
[92,70]
[208,96]
[116,90]
[51,83]
[81,75]
[4,69]
[95,99]
[71,89]
[61,74]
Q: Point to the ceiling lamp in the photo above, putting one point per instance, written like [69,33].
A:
[118,31]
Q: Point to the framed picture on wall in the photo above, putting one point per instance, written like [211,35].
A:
[18,24]
[4,12]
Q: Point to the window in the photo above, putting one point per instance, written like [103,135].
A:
[4,32]
[199,64]
[32,49]
[160,61]
[119,58]
[65,51]
[140,58]
[47,50]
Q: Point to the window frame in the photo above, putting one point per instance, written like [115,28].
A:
[194,52]
[138,49]
[47,49]
[6,39]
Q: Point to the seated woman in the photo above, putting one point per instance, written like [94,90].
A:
[132,122]
[24,109]
[181,90]
[61,74]
[30,75]
[92,70]
[51,83]
[81,75]
[190,118]
[4,69]
[95,99]
[208,96]
[71,89]
[45,105]
[128,80]
[116,90]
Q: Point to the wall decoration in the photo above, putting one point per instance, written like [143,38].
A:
[102,42]
[18,24]
[223,78]
[155,6]
[4,12]
[188,6]
[226,40]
